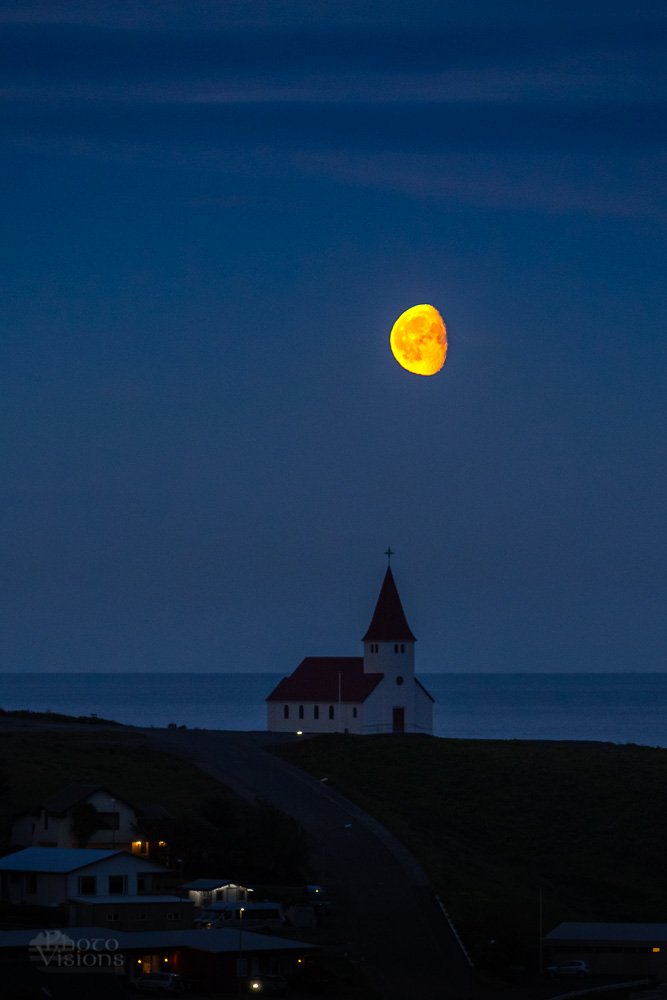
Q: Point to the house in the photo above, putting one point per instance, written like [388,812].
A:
[90,815]
[113,888]
[214,958]
[627,949]
[204,891]
[374,693]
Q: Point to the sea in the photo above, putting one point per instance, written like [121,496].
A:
[616,708]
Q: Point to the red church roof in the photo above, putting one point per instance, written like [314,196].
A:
[389,623]
[327,679]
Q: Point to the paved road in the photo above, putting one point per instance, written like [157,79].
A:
[391,919]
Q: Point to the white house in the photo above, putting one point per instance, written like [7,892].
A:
[53,822]
[111,887]
[376,693]
[204,891]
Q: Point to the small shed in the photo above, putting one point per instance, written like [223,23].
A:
[204,891]
[632,949]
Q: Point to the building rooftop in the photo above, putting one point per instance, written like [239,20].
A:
[63,799]
[585,931]
[327,679]
[53,859]
[214,941]
[389,623]
[209,884]
[124,900]
[67,859]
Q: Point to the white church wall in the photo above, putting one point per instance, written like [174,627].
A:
[346,717]
[423,711]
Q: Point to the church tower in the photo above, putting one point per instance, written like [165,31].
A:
[389,649]
[389,645]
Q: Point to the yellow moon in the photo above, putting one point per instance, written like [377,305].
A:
[419,340]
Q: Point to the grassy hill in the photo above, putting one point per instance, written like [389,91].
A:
[496,824]
[211,832]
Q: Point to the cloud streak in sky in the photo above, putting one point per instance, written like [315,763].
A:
[486,114]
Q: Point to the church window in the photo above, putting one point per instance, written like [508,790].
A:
[402,647]
[399,681]
[354,712]
[301,711]
[316,711]
[396,647]
[331,711]
[286,712]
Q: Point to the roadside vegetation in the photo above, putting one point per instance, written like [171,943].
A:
[209,830]
[509,829]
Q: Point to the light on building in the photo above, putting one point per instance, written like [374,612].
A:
[299,732]
[656,951]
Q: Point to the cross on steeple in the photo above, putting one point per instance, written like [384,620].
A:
[389,554]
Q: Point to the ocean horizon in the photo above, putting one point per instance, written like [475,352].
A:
[614,707]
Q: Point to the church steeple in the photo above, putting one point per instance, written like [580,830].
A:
[389,623]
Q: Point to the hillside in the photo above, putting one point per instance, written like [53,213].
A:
[211,831]
[497,824]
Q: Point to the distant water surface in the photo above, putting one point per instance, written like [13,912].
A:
[619,708]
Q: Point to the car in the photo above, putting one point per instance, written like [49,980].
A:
[159,983]
[574,967]
[267,983]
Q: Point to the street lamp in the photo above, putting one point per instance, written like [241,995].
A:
[241,965]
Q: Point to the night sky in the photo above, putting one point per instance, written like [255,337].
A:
[213,212]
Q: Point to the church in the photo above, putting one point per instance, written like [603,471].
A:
[374,693]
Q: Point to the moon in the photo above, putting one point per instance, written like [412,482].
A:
[419,340]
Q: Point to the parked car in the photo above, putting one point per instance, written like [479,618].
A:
[158,983]
[572,968]
[269,983]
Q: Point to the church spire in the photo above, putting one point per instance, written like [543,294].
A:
[389,623]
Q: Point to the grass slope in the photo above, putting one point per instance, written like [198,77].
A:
[495,822]
[39,762]
[211,831]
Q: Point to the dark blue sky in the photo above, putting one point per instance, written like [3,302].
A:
[213,212]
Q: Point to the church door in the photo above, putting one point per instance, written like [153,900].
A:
[398,722]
